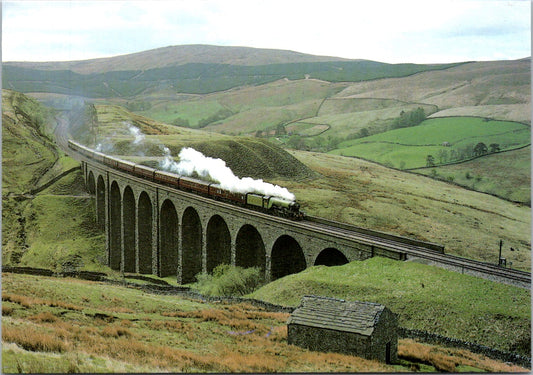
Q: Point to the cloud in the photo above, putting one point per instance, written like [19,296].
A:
[383,30]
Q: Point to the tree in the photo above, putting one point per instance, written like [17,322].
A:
[494,147]
[280,130]
[443,156]
[178,121]
[411,118]
[480,149]
[296,142]
[333,142]
[363,133]
[430,161]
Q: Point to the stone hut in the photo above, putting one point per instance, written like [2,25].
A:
[363,329]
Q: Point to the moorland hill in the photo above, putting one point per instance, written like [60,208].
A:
[196,69]
[180,55]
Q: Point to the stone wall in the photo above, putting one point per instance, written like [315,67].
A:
[433,338]
[386,333]
[327,340]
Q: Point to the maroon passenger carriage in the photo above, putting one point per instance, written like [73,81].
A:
[269,204]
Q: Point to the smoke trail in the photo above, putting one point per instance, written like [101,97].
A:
[192,161]
[108,145]
[136,132]
[105,146]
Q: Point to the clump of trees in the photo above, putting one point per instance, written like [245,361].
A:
[221,114]
[138,106]
[361,133]
[280,131]
[179,121]
[409,118]
[469,151]
[318,144]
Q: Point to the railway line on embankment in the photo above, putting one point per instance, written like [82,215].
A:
[424,252]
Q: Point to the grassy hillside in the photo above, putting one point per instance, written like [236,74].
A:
[247,110]
[180,55]
[468,223]
[347,117]
[27,148]
[467,308]
[496,84]
[55,227]
[450,140]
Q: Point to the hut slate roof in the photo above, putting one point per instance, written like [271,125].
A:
[337,314]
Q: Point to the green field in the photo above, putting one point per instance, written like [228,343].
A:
[192,111]
[505,175]
[409,147]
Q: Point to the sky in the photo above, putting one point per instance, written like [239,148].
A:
[393,31]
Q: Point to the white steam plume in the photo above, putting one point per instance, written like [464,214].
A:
[192,161]
[107,145]
[136,132]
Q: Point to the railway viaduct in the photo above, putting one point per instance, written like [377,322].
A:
[155,229]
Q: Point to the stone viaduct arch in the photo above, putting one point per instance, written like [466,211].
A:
[191,253]
[129,228]
[168,253]
[91,184]
[155,229]
[218,243]
[330,257]
[250,248]
[115,227]
[144,233]
[287,257]
[100,202]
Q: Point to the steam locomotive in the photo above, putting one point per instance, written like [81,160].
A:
[269,204]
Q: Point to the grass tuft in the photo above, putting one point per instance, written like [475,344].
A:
[6,310]
[115,331]
[44,317]
[32,340]
[24,301]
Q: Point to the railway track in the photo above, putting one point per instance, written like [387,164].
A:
[430,253]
